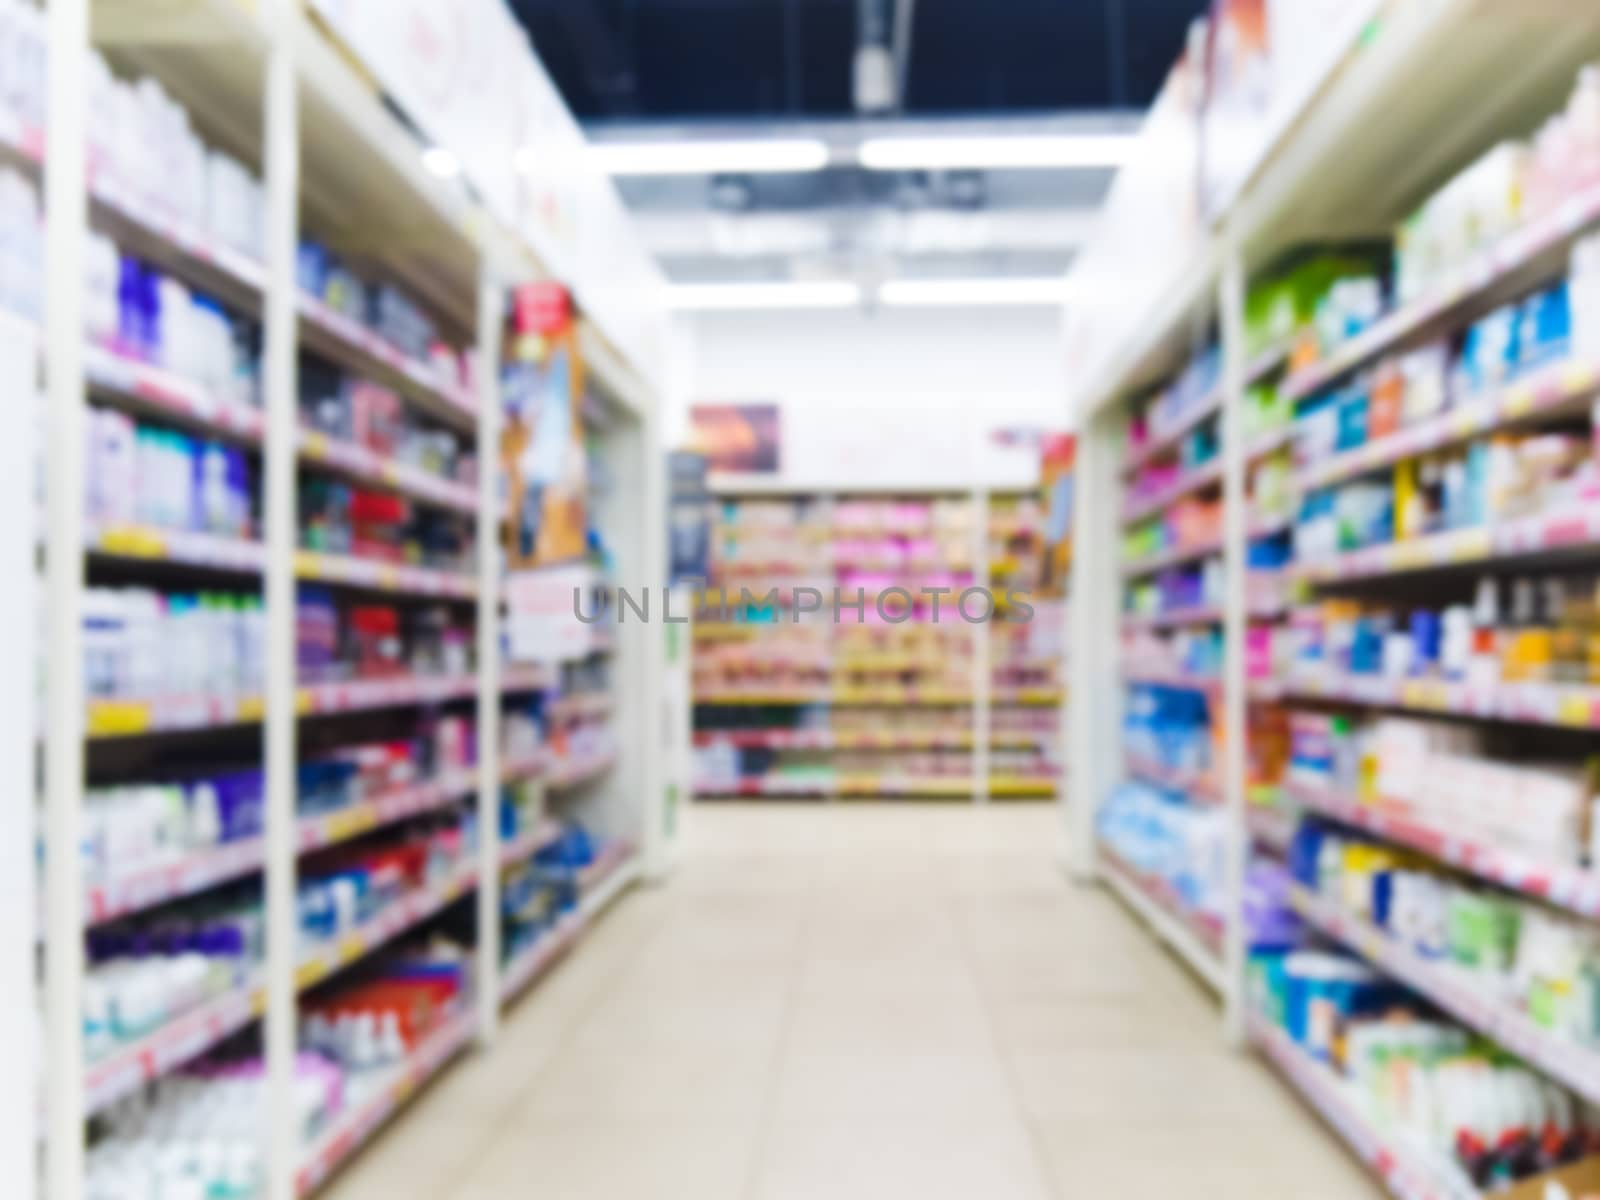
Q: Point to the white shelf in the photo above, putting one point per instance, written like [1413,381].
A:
[362,189]
[1560,389]
[1572,888]
[1566,706]
[148,887]
[1394,1165]
[359,1123]
[1461,995]
[1403,105]
[1169,923]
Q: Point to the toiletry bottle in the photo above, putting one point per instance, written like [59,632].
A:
[1484,666]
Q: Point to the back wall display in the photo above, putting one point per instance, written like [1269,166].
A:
[736,437]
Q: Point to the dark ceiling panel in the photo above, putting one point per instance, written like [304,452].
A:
[731,59]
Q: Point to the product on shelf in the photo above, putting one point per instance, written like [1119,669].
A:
[1508,187]
[381,308]
[1450,778]
[143,475]
[1171,728]
[1476,1118]
[1537,961]
[1280,307]
[140,643]
[136,982]
[1177,590]
[144,315]
[1525,629]
[1194,652]
[1467,484]
[1180,845]
[144,152]
[537,894]
[382,527]
[198,1132]
[366,414]
[1178,406]
[340,640]
[1192,524]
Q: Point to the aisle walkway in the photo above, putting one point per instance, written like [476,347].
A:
[846,1003]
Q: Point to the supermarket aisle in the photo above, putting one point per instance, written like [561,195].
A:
[840,1002]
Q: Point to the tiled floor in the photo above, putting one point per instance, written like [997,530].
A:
[843,1002]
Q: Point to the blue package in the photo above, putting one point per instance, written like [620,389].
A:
[1544,332]
[1353,407]
[1426,636]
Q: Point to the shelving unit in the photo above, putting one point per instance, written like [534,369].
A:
[275,89]
[1006,747]
[1396,111]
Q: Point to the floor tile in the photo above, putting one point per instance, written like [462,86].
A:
[662,1158]
[879,1159]
[833,1002]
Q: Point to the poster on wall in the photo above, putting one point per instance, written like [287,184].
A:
[542,444]
[738,438]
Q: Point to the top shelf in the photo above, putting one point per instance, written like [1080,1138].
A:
[362,180]
[1520,260]
[1351,164]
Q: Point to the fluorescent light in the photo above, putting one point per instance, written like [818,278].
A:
[710,158]
[709,297]
[942,153]
[441,162]
[926,293]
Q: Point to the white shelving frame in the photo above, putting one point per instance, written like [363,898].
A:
[281,88]
[1401,110]
[19,721]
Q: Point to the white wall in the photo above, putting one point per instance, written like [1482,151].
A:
[895,396]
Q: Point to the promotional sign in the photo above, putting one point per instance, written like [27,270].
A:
[1234,121]
[1060,454]
[545,464]
[542,613]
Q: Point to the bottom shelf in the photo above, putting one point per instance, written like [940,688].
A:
[617,868]
[1197,942]
[356,1125]
[601,883]
[1399,1171]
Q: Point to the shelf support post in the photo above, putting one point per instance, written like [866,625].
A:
[491,323]
[983,650]
[1094,647]
[281,137]
[66,199]
[1235,623]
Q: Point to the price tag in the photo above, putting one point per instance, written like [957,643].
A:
[133,542]
[108,718]
[1577,710]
